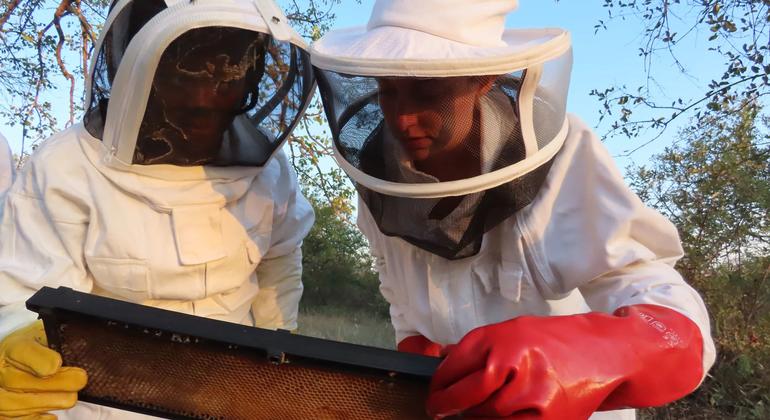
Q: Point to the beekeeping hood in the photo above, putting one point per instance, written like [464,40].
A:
[204,82]
[442,82]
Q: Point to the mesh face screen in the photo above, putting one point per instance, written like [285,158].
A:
[395,128]
[205,78]
[186,376]
[413,131]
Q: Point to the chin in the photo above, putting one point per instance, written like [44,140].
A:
[419,155]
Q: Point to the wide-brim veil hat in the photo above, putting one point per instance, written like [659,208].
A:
[449,67]
[138,34]
[437,38]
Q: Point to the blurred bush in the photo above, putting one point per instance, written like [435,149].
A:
[338,270]
[716,189]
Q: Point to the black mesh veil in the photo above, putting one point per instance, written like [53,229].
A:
[220,95]
[451,227]
[418,131]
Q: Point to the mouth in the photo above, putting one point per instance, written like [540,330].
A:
[201,122]
[416,143]
[200,126]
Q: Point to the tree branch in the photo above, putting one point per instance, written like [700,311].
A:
[8,12]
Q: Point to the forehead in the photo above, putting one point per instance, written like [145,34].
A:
[436,84]
[203,45]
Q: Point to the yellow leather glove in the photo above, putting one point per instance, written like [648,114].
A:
[32,381]
[46,416]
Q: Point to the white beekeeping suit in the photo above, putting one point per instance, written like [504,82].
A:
[6,169]
[503,232]
[173,192]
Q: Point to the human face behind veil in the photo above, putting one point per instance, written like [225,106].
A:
[434,120]
[205,78]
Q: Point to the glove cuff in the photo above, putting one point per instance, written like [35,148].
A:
[669,346]
[419,345]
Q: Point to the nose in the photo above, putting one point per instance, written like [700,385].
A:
[199,96]
[405,121]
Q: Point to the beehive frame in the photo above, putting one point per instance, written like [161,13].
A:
[179,366]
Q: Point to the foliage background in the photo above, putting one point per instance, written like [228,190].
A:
[714,184]
[713,181]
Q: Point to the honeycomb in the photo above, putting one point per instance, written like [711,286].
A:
[189,377]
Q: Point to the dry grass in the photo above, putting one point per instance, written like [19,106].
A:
[339,325]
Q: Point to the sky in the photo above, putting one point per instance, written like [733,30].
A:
[601,59]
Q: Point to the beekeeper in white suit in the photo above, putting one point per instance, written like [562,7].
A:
[173,192]
[505,236]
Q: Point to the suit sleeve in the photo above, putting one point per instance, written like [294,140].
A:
[41,244]
[389,287]
[593,233]
[279,273]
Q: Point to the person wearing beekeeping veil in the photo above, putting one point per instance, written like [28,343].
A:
[173,192]
[6,169]
[506,239]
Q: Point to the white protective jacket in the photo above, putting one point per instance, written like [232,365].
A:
[222,243]
[6,169]
[586,243]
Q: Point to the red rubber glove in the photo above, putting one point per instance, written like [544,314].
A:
[567,367]
[419,345]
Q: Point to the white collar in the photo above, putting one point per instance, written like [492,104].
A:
[165,187]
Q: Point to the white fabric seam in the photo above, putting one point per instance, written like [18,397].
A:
[540,262]
[526,108]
